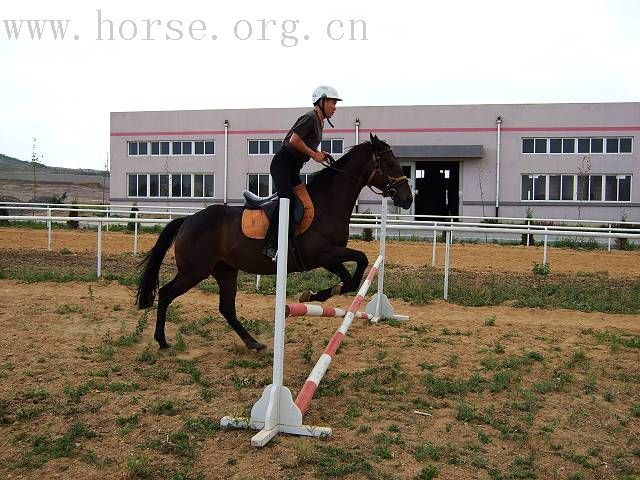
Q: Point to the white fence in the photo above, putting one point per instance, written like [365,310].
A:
[433,228]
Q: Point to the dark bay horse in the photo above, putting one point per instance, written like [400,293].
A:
[210,242]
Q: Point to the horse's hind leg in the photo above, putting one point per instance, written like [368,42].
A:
[350,283]
[227,278]
[172,290]
[325,294]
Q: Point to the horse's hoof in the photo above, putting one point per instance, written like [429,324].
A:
[257,346]
[305,296]
[162,344]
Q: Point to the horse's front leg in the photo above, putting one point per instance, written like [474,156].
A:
[348,283]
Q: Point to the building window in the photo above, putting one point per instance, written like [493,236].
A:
[204,147]
[259,184]
[588,188]
[138,148]
[196,185]
[263,147]
[334,146]
[160,148]
[202,185]
[608,145]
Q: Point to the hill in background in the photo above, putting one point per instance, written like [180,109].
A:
[82,185]
[11,164]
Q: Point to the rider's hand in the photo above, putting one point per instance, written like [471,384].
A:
[319,156]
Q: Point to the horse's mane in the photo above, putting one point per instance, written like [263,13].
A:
[341,162]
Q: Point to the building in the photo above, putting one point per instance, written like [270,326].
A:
[554,160]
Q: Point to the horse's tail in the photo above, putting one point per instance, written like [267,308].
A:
[149,279]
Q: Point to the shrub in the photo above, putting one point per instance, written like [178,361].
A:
[73,212]
[541,269]
[131,225]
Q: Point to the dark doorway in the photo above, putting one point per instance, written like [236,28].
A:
[437,185]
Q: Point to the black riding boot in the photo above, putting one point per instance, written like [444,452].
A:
[270,248]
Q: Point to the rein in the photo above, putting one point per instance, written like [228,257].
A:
[393,183]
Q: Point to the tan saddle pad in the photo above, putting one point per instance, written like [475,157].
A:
[255,222]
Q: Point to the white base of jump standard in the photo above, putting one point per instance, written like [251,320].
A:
[290,419]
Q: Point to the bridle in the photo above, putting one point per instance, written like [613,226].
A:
[392,184]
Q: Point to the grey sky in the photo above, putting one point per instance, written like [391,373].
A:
[431,52]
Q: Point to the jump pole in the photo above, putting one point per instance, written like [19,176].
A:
[313,380]
[312,310]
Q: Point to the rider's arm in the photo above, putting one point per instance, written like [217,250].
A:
[296,142]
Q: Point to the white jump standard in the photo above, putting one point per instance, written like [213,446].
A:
[276,411]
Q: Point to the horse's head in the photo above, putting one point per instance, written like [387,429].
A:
[387,174]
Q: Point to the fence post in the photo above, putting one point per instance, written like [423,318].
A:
[435,239]
[528,227]
[257,282]
[135,236]
[609,241]
[49,229]
[99,267]
[446,264]
[108,208]
[544,257]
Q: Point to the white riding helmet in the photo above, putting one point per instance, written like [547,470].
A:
[324,91]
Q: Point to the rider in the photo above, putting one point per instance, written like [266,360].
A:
[300,144]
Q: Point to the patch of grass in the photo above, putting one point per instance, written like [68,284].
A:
[428,473]
[452,362]
[613,339]
[28,413]
[490,321]
[138,465]
[147,356]
[541,269]
[522,468]
[164,407]
[248,363]
[75,394]
[500,381]
[444,386]
[385,379]
[180,346]
[188,366]
[465,411]
[197,327]
[45,448]
[333,462]
[579,358]
[201,425]
[243,382]
[129,421]
[635,409]
[66,309]
[135,336]
[428,451]
[307,351]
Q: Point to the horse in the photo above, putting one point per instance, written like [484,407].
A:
[211,243]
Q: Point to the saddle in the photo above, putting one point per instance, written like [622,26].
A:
[258,210]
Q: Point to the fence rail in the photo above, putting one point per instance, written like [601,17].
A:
[450,228]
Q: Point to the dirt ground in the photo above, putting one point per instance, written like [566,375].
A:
[486,258]
[500,392]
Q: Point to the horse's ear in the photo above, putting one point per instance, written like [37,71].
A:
[371,137]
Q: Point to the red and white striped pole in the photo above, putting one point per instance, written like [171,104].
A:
[310,310]
[310,386]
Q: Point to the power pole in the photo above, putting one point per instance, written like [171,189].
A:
[34,160]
